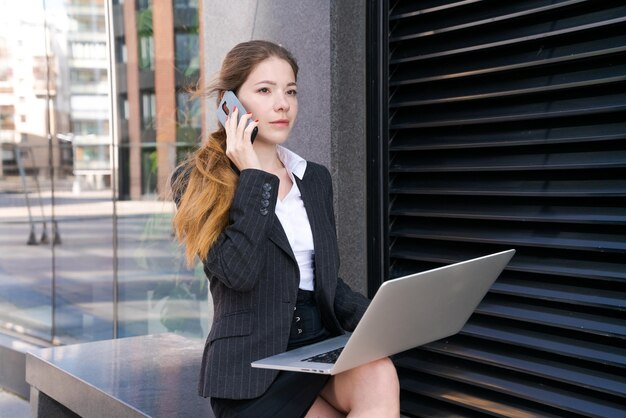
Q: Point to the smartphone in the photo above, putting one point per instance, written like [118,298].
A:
[226,106]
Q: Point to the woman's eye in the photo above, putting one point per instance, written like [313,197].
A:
[292,92]
[264,90]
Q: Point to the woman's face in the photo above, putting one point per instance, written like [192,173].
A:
[269,93]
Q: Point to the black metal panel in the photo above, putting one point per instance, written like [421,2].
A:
[502,124]
[377,145]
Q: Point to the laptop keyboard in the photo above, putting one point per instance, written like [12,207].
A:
[329,357]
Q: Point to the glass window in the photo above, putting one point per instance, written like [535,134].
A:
[125,107]
[89,23]
[189,110]
[7,115]
[148,110]
[146,52]
[59,261]
[121,53]
[89,106]
[89,50]
[89,127]
[6,69]
[187,49]
[184,4]
[88,75]
[144,33]
[96,3]
[92,157]
[144,4]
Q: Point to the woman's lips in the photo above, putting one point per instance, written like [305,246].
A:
[280,122]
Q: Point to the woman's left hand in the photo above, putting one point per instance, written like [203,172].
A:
[238,141]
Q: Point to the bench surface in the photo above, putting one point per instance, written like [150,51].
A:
[152,375]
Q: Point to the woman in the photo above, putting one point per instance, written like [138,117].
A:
[261,219]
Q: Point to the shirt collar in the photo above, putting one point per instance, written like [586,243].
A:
[292,161]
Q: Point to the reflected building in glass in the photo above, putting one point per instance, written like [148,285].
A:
[157,63]
[89,94]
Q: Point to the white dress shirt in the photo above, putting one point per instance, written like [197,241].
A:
[294,220]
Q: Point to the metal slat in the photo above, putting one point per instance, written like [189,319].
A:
[408,162]
[468,397]
[569,62]
[529,117]
[561,294]
[523,99]
[499,139]
[511,187]
[556,318]
[603,273]
[508,211]
[602,26]
[396,14]
[534,14]
[501,235]
[512,385]
[421,406]
[546,339]
[532,59]
[501,356]
[484,94]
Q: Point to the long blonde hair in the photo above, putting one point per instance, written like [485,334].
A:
[206,180]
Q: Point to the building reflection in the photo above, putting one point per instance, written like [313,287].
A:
[157,62]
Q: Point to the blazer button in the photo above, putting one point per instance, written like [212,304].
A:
[265,203]
[297,319]
[299,331]
[267,187]
[266,195]
[264,211]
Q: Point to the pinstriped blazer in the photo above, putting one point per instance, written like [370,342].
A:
[254,280]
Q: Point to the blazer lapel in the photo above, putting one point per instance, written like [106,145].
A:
[310,204]
[277,233]
[279,237]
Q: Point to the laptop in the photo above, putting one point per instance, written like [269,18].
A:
[405,313]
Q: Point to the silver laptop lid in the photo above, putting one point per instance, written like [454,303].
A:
[420,308]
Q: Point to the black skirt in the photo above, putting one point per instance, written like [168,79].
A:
[292,393]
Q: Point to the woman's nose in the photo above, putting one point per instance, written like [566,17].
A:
[281,103]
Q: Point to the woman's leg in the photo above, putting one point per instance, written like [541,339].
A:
[370,390]
[322,409]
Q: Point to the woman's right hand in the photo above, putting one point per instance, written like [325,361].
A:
[238,141]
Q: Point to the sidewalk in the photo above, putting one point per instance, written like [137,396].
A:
[12,406]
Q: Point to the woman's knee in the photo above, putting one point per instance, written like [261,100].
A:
[371,386]
[382,391]
[381,375]
[386,373]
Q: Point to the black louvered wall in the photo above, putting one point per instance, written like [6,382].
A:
[506,128]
